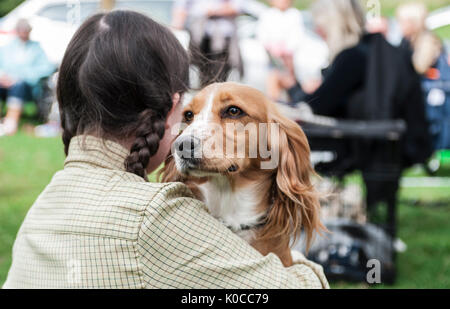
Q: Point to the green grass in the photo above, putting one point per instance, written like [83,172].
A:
[27,164]
[443,32]
[426,231]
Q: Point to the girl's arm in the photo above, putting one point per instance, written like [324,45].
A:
[181,246]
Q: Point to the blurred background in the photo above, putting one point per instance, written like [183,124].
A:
[282,48]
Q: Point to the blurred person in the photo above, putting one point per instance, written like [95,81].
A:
[430,59]
[378,25]
[418,42]
[213,30]
[23,64]
[280,30]
[368,78]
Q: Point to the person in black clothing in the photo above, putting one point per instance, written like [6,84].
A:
[369,80]
[421,45]
[342,79]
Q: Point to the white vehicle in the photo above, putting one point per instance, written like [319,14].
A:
[55,21]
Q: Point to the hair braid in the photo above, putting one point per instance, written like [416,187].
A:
[150,131]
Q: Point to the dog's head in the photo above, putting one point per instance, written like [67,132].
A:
[234,130]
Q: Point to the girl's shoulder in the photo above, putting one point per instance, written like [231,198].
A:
[170,189]
[167,196]
[166,191]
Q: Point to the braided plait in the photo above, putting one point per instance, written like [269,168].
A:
[150,131]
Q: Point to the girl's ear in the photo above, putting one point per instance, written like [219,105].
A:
[176,98]
[296,203]
[174,116]
[169,172]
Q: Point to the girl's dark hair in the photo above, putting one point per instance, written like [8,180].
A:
[117,80]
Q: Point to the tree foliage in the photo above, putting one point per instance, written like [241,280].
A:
[7,5]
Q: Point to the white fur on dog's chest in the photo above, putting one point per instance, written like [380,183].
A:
[233,208]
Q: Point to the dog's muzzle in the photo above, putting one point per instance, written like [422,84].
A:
[189,148]
[190,154]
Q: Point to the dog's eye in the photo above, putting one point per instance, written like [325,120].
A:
[233,112]
[188,116]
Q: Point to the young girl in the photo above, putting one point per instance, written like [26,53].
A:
[99,223]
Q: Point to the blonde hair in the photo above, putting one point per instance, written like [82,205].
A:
[426,46]
[427,49]
[414,12]
[343,22]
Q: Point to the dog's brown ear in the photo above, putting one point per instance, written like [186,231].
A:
[169,172]
[296,203]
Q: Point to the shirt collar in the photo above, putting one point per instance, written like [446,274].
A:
[87,151]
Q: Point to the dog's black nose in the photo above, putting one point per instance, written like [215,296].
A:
[188,147]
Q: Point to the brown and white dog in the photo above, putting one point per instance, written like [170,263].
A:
[267,207]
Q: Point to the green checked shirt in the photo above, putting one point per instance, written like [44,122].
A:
[97,226]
